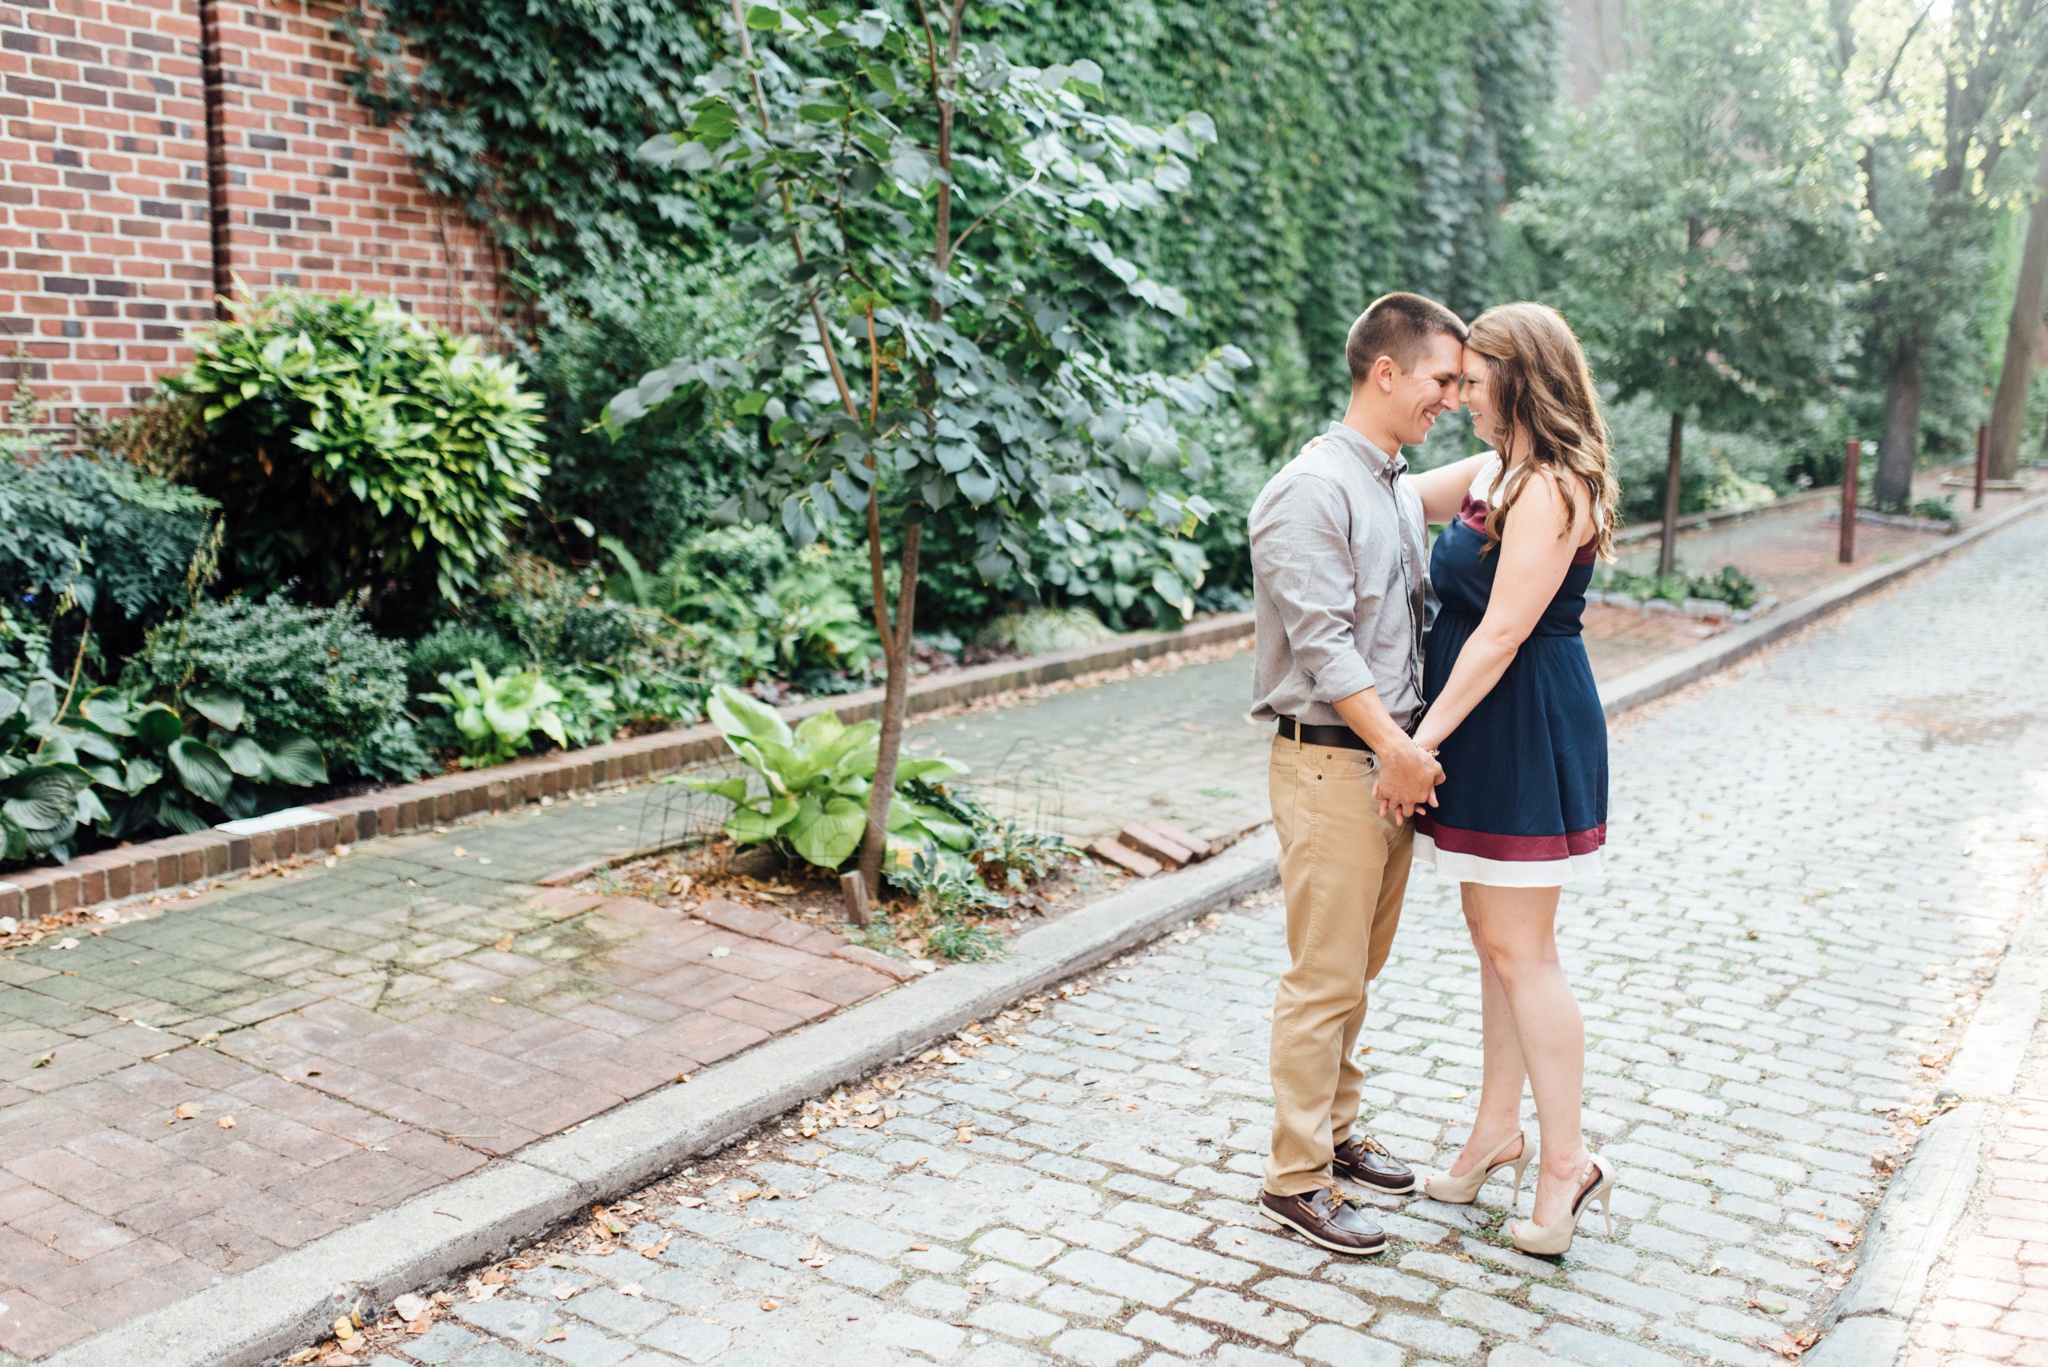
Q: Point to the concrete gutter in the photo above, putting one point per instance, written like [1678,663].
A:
[258,1315]
[1868,1324]
[1674,672]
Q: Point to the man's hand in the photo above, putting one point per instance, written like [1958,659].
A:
[1408,773]
[1407,782]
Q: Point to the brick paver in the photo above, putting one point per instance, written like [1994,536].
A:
[1814,866]
[1988,1300]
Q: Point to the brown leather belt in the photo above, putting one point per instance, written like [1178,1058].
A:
[1343,737]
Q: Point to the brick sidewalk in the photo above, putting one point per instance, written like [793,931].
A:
[349,1037]
[1988,1303]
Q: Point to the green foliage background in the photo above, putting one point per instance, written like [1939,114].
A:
[1364,145]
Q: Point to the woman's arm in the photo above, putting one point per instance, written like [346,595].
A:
[1535,554]
[1443,489]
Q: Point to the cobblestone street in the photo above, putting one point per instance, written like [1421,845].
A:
[1814,866]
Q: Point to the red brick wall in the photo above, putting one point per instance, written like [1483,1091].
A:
[106,252]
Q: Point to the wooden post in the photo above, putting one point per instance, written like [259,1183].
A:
[1852,451]
[854,889]
[1983,462]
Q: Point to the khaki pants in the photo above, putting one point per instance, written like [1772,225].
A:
[1343,868]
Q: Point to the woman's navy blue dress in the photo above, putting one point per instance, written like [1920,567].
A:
[1524,797]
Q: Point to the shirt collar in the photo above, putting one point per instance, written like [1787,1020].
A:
[1376,460]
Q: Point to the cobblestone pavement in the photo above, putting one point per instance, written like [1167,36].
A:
[1988,1301]
[1814,866]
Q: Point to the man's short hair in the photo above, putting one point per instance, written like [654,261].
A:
[1397,325]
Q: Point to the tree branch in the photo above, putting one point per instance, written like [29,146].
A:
[996,208]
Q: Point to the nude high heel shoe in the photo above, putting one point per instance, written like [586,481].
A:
[1556,1237]
[1463,1191]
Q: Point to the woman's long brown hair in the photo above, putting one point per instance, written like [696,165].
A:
[1543,393]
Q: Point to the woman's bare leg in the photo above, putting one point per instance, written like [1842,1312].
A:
[1500,1090]
[1517,929]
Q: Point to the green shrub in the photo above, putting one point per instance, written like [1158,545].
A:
[453,646]
[498,715]
[355,446]
[118,540]
[319,672]
[1041,631]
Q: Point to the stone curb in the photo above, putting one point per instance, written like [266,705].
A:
[1674,672]
[154,865]
[247,1319]
[1868,1324]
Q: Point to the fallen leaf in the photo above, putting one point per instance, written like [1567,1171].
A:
[565,1291]
[720,952]
[226,1122]
[689,1202]
[43,1061]
[630,1289]
[920,1248]
[494,1276]
[504,943]
[965,1134]
[409,1306]
[1768,1307]
[654,1250]
[1792,1346]
[343,1330]
[987,1275]
[767,1304]
[460,853]
[555,1334]
[187,1110]
[739,1196]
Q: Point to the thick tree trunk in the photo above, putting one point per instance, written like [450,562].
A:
[1900,444]
[2022,333]
[1667,553]
[895,703]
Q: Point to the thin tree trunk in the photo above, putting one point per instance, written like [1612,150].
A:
[1667,553]
[2022,333]
[895,699]
[1900,444]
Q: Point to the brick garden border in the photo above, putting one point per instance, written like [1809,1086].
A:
[175,861]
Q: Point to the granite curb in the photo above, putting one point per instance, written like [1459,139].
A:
[257,1315]
[1869,1323]
[1674,672]
[155,865]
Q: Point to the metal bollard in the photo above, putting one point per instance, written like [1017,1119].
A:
[1983,462]
[1852,451]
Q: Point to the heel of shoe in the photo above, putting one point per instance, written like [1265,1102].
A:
[1519,1165]
[1606,1213]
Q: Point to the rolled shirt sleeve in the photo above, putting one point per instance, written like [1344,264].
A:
[1301,550]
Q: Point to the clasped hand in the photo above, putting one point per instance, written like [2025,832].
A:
[1407,781]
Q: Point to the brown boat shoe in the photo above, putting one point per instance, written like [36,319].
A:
[1324,1217]
[1364,1160]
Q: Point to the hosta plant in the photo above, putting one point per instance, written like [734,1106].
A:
[183,765]
[44,795]
[497,715]
[816,780]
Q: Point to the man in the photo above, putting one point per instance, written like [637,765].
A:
[1337,545]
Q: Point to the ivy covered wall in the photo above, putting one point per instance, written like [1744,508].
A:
[1365,145]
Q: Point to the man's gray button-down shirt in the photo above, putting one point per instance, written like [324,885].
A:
[1337,542]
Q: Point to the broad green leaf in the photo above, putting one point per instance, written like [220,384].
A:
[246,757]
[296,760]
[736,714]
[43,798]
[201,769]
[733,790]
[218,706]
[818,729]
[750,826]
[157,726]
[826,833]
[913,767]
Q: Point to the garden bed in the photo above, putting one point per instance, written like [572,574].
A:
[155,866]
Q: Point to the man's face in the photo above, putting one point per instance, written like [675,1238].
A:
[1427,389]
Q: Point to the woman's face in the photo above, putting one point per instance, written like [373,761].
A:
[1478,397]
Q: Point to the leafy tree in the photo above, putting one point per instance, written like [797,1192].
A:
[1700,218]
[1946,91]
[910,365]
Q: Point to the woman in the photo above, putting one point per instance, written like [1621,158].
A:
[1516,722]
